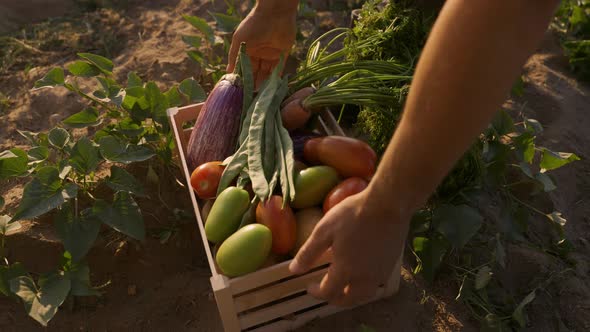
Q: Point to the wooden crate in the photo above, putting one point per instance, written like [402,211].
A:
[272,298]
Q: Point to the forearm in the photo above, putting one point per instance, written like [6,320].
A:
[277,6]
[474,53]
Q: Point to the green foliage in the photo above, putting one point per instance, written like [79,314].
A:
[573,20]
[123,125]
[212,65]
[503,160]
[42,298]
[399,30]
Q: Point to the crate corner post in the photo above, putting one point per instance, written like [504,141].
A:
[225,303]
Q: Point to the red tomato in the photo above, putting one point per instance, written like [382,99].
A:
[348,187]
[281,222]
[205,179]
[350,157]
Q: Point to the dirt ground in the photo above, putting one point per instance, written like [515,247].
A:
[165,287]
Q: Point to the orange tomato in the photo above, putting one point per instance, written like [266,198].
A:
[281,222]
[350,157]
[348,187]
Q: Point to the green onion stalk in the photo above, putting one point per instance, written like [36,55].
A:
[358,87]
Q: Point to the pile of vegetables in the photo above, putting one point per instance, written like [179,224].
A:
[265,174]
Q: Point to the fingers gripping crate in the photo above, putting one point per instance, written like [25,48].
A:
[272,298]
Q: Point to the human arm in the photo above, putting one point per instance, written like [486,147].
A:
[268,31]
[473,54]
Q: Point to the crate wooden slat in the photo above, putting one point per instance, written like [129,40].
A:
[271,299]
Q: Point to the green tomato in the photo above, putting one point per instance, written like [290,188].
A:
[312,185]
[244,251]
[226,214]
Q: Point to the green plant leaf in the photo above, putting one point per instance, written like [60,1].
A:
[173,96]
[225,23]
[111,91]
[133,80]
[52,79]
[30,136]
[201,25]
[58,137]
[44,193]
[13,162]
[121,180]
[430,252]
[420,222]
[518,87]
[83,69]
[483,277]
[42,303]
[7,226]
[38,154]
[553,160]
[190,88]
[158,103]
[533,125]
[196,56]
[193,41]
[503,123]
[525,146]
[8,273]
[84,157]
[132,95]
[130,128]
[492,323]
[115,150]
[64,169]
[365,328]
[546,181]
[152,176]
[458,223]
[77,233]
[123,215]
[105,65]
[88,117]
[518,314]
[79,275]
[2,202]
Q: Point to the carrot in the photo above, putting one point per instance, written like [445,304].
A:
[294,115]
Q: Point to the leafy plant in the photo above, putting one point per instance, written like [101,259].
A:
[211,63]
[505,163]
[573,21]
[123,125]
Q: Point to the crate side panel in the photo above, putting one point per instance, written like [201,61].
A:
[184,114]
[278,291]
[278,310]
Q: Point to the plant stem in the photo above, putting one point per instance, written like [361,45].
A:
[84,95]
[2,248]
[525,204]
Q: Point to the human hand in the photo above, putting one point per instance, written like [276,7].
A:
[365,243]
[268,33]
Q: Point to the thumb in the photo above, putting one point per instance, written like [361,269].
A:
[319,241]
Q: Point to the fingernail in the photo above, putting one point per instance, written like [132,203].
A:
[295,267]
[314,289]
